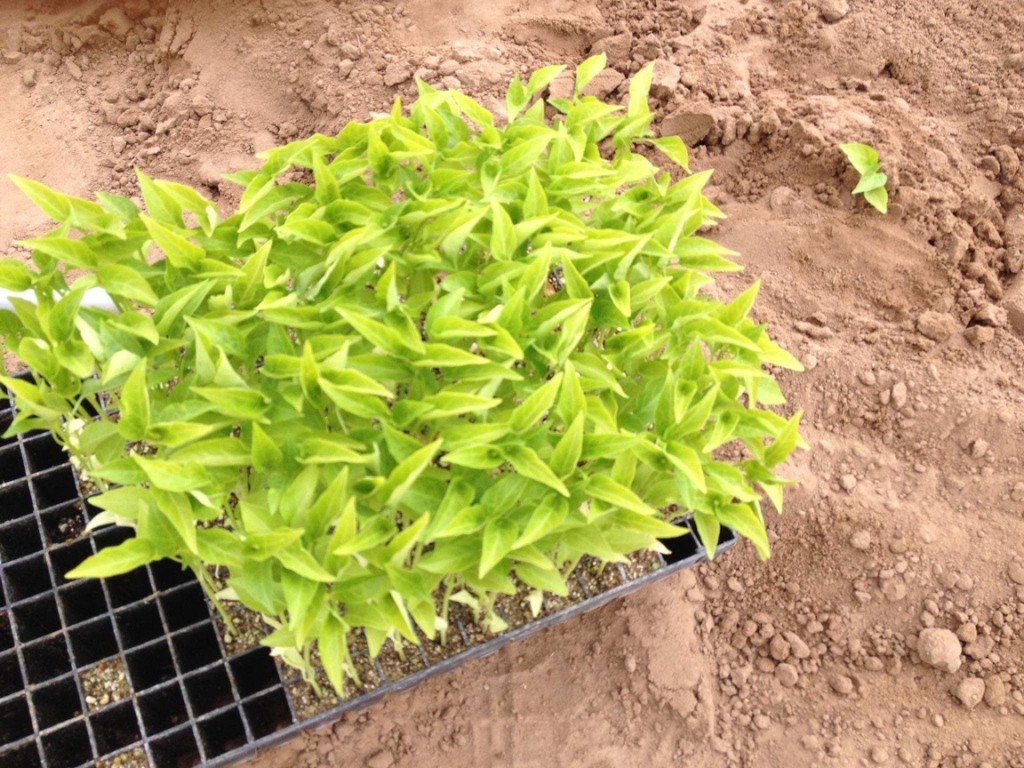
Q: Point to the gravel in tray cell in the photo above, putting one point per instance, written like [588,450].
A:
[105,683]
[63,524]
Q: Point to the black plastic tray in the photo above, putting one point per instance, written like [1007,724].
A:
[192,700]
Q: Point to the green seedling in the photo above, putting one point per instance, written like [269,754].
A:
[431,359]
[864,158]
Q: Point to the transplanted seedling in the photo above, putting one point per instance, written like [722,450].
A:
[864,158]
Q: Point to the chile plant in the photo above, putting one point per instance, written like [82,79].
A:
[431,358]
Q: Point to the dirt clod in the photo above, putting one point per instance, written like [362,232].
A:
[939,648]
[692,127]
[861,540]
[938,326]
[970,691]
[834,10]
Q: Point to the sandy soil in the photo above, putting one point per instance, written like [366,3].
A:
[887,628]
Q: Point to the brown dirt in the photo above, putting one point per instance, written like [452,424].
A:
[910,511]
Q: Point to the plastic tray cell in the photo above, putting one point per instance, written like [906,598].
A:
[55,487]
[68,747]
[163,709]
[37,617]
[57,702]
[19,539]
[116,728]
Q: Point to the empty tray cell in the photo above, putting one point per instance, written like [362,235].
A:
[163,709]
[28,578]
[25,756]
[11,465]
[196,647]
[254,671]
[174,750]
[168,574]
[46,659]
[268,713]
[82,601]
[150,666]
[139,624]
[6,632]
[62,524]
[15,501]
[69,747]
[64,558]
[56,703]
[15,721]
[681,548]
[222,732]
[93,641]
[55,487]
[19,539]
[115,728]
[36,618]
[208,690]
[129,588]
[44,453]
[10,675]
[185,606]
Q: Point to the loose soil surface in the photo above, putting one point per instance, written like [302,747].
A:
[886,629]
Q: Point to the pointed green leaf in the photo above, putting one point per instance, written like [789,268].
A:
[499,536]
[588,69]
[528,464]
[114,561]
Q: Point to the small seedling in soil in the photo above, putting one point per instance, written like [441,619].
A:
[425,362]
[864,158]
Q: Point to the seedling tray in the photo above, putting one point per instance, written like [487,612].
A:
[185,698]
